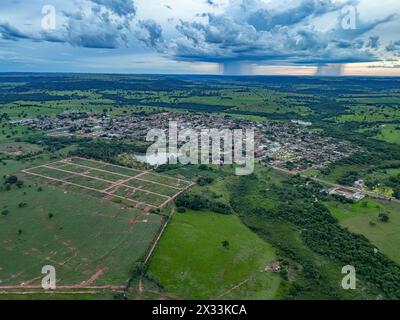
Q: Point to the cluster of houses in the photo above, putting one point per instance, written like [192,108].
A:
[298,148]
[291,145]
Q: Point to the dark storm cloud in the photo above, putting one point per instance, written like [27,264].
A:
[119,7]
[265,19]
[9,32]
[211,3]
[150,33]
[104,24]
[259,33]
[373,42]
[248,30]
[97,29]
[393,46]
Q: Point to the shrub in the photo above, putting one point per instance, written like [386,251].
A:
[383,217]
[22,204]
[11,180]
[202,181]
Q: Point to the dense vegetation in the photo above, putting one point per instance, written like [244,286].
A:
[107,151]
[300,204]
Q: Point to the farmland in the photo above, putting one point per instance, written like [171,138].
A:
[365,113]
[389,133]
[191,262]
[363,218]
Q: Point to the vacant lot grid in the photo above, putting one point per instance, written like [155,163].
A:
[142,188]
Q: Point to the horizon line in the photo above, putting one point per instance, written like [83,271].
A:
[203,74]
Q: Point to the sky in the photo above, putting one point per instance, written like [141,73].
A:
[223,37]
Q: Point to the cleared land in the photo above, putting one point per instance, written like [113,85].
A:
[191,262]
[62,216]
[363,218]
[142,189]
[92,243]
[17,148]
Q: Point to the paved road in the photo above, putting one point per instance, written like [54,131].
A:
[368,193]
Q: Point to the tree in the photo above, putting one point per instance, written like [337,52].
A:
[202,181]
[22,204]
[383,217]
[225,244]
[11,180]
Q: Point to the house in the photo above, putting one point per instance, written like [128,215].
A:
[347,193]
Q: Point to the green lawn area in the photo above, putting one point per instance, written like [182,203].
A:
[244,117]
[190,261]
[347,211]
[389,133]
[368,113]
[362,218]
[339,170]
[372,99]
[311,172]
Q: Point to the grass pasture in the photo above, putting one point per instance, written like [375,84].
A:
[362,218]
[389,133]
[191,263]
[62,216]
[369,113]
[92,243]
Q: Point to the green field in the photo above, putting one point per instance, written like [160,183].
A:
[368,113]
[190,261]
[362,218]
[389,133]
